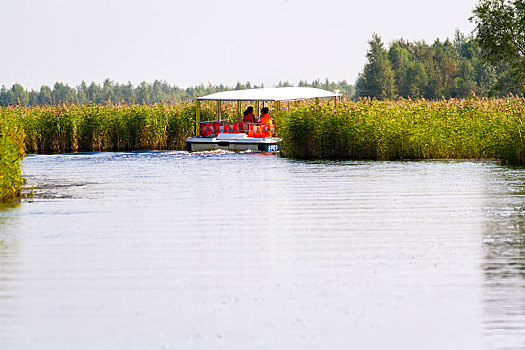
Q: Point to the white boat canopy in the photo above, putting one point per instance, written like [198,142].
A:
[270,94]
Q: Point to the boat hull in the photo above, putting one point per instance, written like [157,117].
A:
[228,143]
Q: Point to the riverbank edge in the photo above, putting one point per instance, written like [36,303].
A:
[11,179]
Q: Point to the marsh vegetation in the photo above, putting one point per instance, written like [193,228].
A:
[406,129]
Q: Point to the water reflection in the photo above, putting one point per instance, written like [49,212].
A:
[8,262]
[504,260]
[9,269]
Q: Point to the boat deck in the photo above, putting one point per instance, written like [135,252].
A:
[232,142]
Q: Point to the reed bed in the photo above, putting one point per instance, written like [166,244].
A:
[11,152]
[406,129]
[68,128]
[366,129]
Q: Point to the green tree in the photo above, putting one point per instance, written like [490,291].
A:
[417,80]
[144,93]
[82,93]
[45,97]
[108,91]
[377,79]
[465,84]
[157,94]
[446,61]
[19,95]
[33,98]
[94,93]
[128,93]
[499,28]
[285,83]
[400,58]
[4,98]
[62,93]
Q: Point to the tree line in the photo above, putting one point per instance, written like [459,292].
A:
[488,62]
[106,93]
[110,92]
[444,69]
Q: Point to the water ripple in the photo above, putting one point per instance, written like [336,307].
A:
[216,250]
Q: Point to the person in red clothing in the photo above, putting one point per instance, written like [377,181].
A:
[266,122]
[248,116]
[265,117]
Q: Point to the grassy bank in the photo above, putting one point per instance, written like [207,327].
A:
[11,152]
[406,129]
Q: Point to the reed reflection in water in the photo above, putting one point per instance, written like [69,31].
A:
[233,251]
[504,260]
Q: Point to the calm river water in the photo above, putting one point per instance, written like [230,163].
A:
[170,250]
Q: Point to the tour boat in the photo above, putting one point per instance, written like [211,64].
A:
[238,136]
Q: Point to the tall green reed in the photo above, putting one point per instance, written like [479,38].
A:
[406,129]
[69,128]
[11,152]
[365,129]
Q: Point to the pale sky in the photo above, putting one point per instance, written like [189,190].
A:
[188,42]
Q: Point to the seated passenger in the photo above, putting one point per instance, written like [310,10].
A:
[248,116]
[265,117]
[266,123]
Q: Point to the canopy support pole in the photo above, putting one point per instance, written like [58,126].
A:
[219,110]
[239,113]
[198,118]
[257,109]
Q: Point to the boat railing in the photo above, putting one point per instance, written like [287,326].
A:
[210,129]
